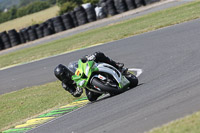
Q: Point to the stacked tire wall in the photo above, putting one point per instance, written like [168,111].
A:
[79,16]
[14,37]
[150,1]
[130,4]
[120,6]
[48,28]
[1,44]
[32,32]
[111,9]
[5,39]
[90,12]
[139,3]
[68,21]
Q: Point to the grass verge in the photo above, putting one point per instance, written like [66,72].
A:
[17,106]
[106,34]
[189,124]
[29,20]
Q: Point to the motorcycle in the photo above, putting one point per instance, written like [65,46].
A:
[101,78]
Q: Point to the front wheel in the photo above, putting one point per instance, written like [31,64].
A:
[92,96]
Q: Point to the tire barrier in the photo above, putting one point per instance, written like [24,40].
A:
[48,31]
[73,15]
[24,32]
[102,6]
[81,15]
[1,44]
[139,3]
[101,1]
[50,26]
[120,6]
[149,1]
[21,36]
[5,39]
[58,24]
[104,9]
[130,4]
[111,7]
[32,32]
[14,37]
[101,12]
[90,11]
[39,31]
[68,21]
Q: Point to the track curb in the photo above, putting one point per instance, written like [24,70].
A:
[47,117]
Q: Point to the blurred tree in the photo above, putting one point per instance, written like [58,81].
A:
[32,7]
[61,2]
[13,12]
[91,1]
[67,6]
[52,2]
[24,2]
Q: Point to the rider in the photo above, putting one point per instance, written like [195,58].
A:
[64,74]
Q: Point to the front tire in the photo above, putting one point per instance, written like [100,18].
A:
[92,96]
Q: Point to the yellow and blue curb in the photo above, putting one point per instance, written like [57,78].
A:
[41,119]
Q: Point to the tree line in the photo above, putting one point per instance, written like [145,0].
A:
[26,7]
[68,5]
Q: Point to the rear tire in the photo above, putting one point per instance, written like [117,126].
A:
[133,80]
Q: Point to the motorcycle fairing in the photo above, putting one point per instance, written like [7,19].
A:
[122,81]
[84,71]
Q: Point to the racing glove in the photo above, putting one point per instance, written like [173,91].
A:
[72,89]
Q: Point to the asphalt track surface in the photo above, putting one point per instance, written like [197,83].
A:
[169,84]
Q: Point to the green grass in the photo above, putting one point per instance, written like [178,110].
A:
[17,106]
[106,34]
[189,124]
[29,20]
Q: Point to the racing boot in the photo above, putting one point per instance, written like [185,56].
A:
[119,65]
[121,68]
[124,70]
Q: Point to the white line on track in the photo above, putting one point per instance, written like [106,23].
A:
[139,71]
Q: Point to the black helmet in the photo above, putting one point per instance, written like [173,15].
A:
[63,73]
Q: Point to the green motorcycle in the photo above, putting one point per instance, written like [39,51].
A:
[101,78]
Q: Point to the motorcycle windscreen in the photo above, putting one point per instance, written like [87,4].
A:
[73,66]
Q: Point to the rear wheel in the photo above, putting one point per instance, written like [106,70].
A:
[133,79]
[105,87]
